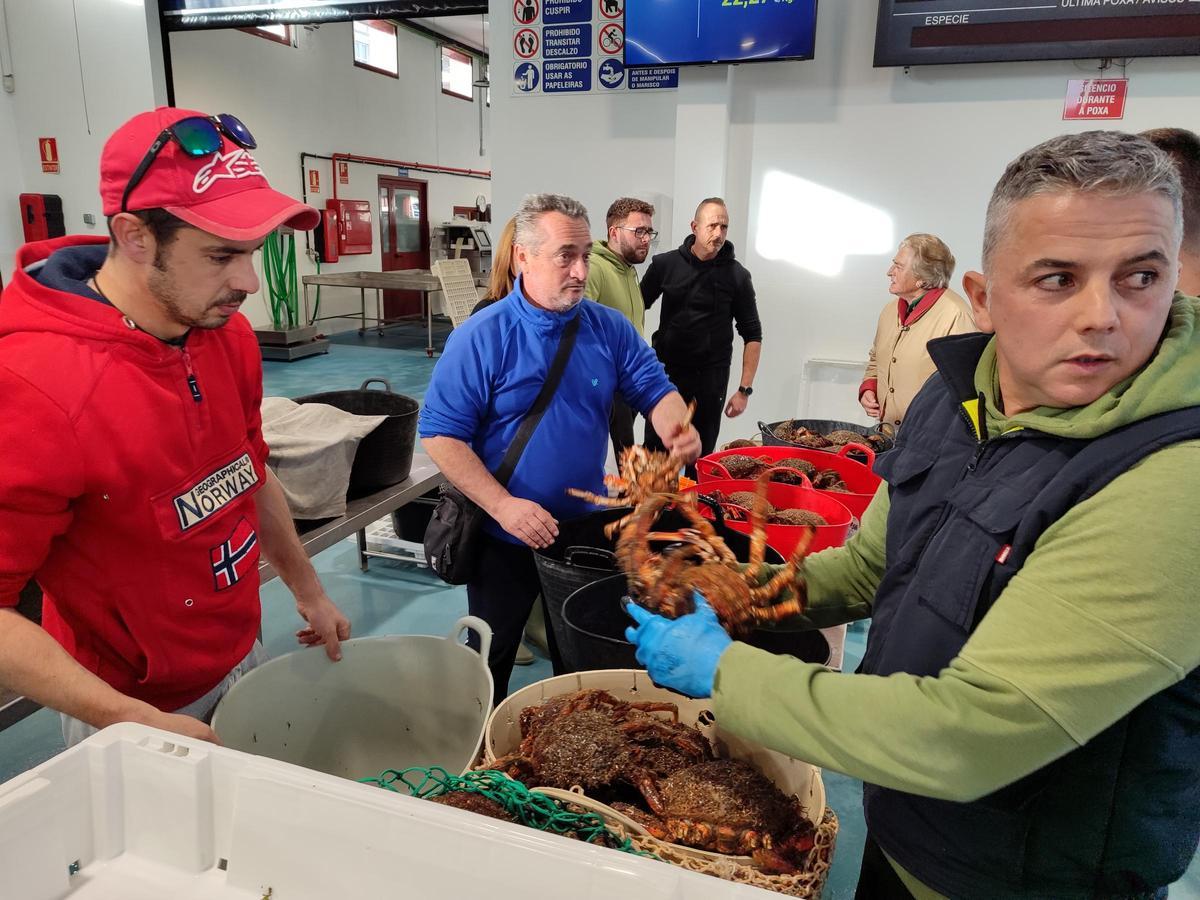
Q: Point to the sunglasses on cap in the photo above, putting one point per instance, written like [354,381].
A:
[196,136]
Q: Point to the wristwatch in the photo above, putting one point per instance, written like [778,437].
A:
[745,390]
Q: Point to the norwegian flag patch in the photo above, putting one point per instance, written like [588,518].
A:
[237,557]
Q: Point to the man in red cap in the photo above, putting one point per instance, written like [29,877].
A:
[133,481]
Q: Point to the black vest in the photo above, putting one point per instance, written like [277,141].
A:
[1118,817]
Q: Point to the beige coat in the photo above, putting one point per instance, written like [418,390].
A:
[899,364]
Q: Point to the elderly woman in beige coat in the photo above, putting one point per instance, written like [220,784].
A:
[925,309]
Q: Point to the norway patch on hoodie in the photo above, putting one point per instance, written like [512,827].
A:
[126,493]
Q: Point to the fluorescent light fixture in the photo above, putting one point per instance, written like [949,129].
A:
[814,227]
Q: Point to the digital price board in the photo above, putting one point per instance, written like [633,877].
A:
[933,32]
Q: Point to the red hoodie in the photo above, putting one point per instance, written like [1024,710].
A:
[129,499]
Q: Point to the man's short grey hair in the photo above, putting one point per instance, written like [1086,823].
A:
[534,206]
[1110,163]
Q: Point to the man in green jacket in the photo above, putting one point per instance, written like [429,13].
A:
[612,281]
[1026,719]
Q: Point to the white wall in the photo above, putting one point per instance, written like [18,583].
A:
[924,149]
[312,98]
[76,87]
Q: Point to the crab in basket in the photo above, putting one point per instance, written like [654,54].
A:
[643,473]
[592,740]
[728,806]
[664,583]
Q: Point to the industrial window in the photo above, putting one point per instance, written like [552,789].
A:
[457,75]
[280,33]
[375,47]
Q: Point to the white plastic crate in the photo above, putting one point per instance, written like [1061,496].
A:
[134,813]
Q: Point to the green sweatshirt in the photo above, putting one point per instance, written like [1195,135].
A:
[613,282]
[1103,615]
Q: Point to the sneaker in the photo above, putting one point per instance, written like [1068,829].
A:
[524,656]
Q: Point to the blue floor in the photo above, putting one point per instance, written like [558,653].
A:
[397,598]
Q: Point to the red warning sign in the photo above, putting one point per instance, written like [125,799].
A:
[343,172]
[525,43]
[48,148]
[612,38]
[612,9]
[314,181]
[1096,98]
[525,11]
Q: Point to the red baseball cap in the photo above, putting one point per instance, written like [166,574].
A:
[225,194]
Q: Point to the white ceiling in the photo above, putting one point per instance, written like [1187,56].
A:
[467,30]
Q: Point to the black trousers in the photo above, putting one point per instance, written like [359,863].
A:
[877,880]
[502,594]
[620,427]
[707,387]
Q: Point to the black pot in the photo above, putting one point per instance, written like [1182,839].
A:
[824,426]
[384,457]
[583,554]
[595,620]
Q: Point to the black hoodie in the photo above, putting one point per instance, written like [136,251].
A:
[701,301]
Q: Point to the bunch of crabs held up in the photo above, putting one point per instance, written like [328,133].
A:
[639,758]
[695,558]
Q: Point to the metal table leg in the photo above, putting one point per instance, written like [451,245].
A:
[428,324]
[362,310]
[361,536]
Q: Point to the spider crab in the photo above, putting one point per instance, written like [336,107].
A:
[728,806]
[664,583]
[643,473]
[593,740]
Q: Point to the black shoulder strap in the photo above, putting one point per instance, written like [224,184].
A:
[566,344]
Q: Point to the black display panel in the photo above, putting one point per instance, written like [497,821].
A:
[187,15]
[933,32]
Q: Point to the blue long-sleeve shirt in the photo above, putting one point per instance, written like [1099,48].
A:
[491,371]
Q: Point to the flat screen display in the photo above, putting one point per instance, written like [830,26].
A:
[695,32]
[482,239]
[931,32]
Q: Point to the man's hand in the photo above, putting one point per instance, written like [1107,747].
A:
[188,726]
[145,714]
[684,444]
[736,405]
[870,404]
[527,521]
[326,625]
[680,654]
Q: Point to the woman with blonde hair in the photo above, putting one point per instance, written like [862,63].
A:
[925,309]
[504,268]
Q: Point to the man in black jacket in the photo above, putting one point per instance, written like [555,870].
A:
[705,291]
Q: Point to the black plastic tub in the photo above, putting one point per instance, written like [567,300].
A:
[384,457]
[583,554]
[824,426]
[595,620]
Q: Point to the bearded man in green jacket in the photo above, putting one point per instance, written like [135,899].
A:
[612,281]
[1026,719]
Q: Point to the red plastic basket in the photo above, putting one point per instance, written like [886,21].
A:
[859,478]
[789,496]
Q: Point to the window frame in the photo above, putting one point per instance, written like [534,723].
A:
[257,31]
[461,56]
[378,25]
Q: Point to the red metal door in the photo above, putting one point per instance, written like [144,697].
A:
[403,237]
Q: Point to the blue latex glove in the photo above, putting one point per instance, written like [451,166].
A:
[680,654]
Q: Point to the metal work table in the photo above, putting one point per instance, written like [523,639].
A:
[420,280]
[315,536]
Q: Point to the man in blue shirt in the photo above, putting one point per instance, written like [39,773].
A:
[486,381]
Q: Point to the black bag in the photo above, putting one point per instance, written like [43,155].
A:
[455,531]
